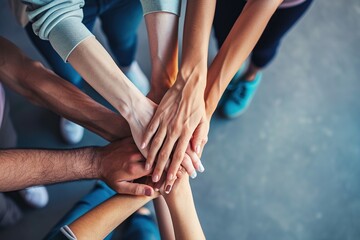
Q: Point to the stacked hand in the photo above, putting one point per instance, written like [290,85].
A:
[179,118]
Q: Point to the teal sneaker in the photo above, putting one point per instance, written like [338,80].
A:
[232,85]
[240,97]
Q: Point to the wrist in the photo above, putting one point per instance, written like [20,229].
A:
[195,72]
[133,104]
[95,158]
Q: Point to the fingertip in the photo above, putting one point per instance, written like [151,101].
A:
[155,178]
[193,175]
[148,192]
[168,189]
[201,168]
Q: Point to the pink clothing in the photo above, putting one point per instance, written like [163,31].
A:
[290,3]
[2,104]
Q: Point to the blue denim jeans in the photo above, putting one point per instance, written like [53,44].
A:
[138,226]
[119,21]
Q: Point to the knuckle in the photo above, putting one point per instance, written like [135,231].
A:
[131,169]
[157,141]
[163,155]
[137,190]
[178,155]
[152,128]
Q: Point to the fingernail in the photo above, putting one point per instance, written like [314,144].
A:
[147,166]
[197,149]
[193,175]
[148,192]
[155,178]
[168,189]
[143,145]
[201,168]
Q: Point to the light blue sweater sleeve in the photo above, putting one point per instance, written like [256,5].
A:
[172,6]
[60,22]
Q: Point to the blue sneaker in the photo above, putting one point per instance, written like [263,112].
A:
[240,97]
[231,86]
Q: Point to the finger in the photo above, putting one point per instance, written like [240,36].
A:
[130,188]
[178,156]
[196,162]
[181,172]
[199,138]
[188,165]
[136,157]
[169,184]
[136,170]
[203,143]
[160,184]
[155,146]
[150,131]
[163,157]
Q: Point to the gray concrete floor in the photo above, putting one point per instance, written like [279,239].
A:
[289,168]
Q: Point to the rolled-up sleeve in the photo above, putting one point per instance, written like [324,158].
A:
[172,6]
[60,22]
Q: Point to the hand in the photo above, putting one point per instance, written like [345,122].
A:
[182,182]
[140,117]
[177,116]
[118,164]
[200,136]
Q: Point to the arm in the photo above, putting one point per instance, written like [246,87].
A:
[42,87]
[60,22]
[248,27]
[21,168]
[162,28]
[186,223]
[115,164]
[100,221]
[181,110]
[163,216]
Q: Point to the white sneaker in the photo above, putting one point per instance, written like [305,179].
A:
[70,131]
[137,77]
[36,197]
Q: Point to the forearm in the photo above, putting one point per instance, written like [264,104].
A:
[21,168]
[197,28]
[65,99]
[186,223]
[97,67]
[248,28]
[162,28]
[100,221]
[43,87]
[163,216]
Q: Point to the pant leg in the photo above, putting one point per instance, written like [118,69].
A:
[280,23]
[226,14]
[8,137]
[141,227]
[64,70]
[120,22]
[227,11]
[99,194]
[10,213]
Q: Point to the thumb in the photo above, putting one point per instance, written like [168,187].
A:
[130,188]
[200,138]
[136,170]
